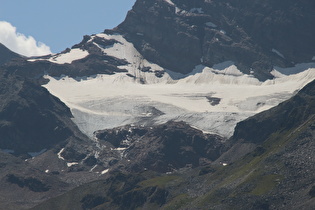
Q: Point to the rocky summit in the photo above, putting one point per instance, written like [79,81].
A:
[256,35]
[204,104]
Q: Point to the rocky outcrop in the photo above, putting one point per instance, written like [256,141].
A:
[165,147]
[256,35]
[33,184]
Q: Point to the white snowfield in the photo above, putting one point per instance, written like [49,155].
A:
[170,2]
[210,99]
[69,57]
[210,24]
[277,52]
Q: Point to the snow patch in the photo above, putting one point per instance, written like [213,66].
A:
[97,155]
[47,171]
[223,32]
[9,151]
[170,2]
[59,154]
[91,170]
[177,10]
[210,24]
[72,164]
[120,149]
[69,57]
[126,50]
[227,68]
[196,10]
[277,52]
[74,54]
[277,74]
[105,171]
[295,69]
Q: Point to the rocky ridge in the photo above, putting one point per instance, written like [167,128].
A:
[256,35]
[31,119]
[95,62]
[7,55]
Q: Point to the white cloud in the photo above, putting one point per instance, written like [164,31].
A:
[19,43]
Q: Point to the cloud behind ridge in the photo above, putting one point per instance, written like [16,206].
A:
[19,43]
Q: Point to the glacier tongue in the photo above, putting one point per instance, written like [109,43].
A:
[211,99]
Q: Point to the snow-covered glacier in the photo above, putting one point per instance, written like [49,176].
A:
[211,99]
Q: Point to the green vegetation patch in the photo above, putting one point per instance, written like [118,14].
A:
[266,184]
[178,202]
[87,195]
[161,181]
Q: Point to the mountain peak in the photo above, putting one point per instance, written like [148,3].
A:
[179,35]
[143,115]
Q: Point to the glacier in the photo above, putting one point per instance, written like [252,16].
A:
[141,98]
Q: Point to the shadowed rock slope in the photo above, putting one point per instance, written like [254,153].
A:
[31,119]
[7,55]
[42,152]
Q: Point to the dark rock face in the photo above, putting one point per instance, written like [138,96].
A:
[284,138]
[162,37]
[122,136]
[165,147]
[7,55]
[312,192]
[30,118]
[250,33]
[90,201]
[33,184]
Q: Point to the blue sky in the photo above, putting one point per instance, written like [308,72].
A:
[62,23]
